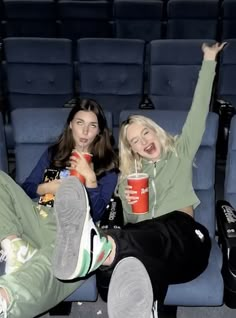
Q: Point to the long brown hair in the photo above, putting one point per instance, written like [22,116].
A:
[104,157]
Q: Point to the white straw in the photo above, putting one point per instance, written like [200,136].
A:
[136,168]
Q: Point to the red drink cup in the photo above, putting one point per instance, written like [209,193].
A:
[74,172]
[139,183]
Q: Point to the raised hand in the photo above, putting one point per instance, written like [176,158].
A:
[210,52]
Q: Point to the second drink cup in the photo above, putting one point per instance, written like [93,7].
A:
[139,183]
[74,172]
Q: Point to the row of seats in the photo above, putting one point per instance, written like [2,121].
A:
[143,19]
[34,129]
[40,72]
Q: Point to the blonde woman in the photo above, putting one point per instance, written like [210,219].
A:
[165,246]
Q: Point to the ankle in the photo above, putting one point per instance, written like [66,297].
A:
[10,238]
[109,260]
[4,294]
[7,241]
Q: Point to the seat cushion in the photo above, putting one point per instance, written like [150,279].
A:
[86,292]
[202,290]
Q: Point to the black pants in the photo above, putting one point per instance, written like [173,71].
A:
[174,249]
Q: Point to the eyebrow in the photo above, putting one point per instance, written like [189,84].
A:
[132,139]
[90,122]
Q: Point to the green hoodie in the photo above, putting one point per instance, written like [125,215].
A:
[170,179]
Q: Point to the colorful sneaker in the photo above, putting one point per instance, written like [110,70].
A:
[79,247]
[16,252]
[3,307]
[130,292]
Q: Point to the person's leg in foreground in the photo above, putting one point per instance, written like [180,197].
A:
[27,234]
[130,290]
[81,248]
[142,255]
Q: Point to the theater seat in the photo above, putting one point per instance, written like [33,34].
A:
[111,72]
[3,150]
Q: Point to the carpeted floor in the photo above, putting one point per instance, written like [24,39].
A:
[98,310]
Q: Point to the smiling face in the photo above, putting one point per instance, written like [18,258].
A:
[84,127]
[144,141]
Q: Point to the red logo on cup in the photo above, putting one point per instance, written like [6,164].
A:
[144,190]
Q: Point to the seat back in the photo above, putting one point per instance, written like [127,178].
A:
[227,73]
[81,19]
[34,129]
[111,72]
[30,18]
[192,19]
[228,9]
[39,72]
[3,149]
[230,169]
[135,19]
[204,163]
[173,72]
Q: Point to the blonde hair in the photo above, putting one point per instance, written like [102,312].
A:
[127,156]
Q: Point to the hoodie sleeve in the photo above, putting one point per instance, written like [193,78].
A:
[194,127]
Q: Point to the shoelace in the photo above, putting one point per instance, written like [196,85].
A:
[3,307]
[154,313]
[3,256]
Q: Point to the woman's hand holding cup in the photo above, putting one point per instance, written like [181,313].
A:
[131,195]
[139,185]
[80,165]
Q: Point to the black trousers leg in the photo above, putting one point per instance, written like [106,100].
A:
[173,248]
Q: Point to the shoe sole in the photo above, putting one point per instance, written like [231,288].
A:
[71,212]
[130,292]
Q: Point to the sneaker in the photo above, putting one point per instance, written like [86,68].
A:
[79,247]
[16,252]
[3,307]
[130,292]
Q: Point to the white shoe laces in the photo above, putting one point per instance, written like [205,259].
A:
[3,256]
[3,307]
[154,313]
[3,302]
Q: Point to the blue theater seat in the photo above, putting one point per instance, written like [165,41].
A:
[192,19]
[228,9]
[3,149]
[230,171]
[138,19]
[34,129]
[227,74]
[39,73]
[173,72]
[30,18]
[84,19]
[111,72]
